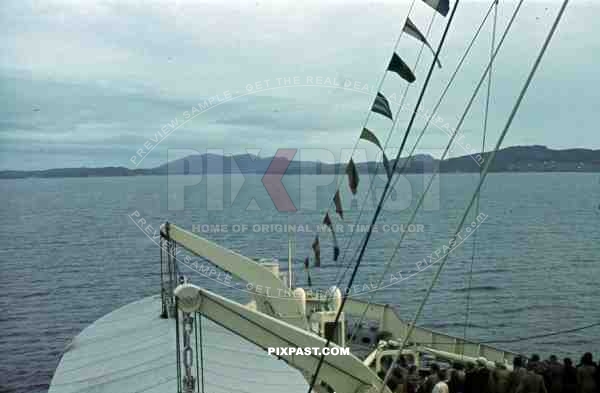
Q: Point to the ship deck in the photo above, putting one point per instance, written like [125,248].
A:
[132,350]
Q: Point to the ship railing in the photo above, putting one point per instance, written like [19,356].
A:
[389,321]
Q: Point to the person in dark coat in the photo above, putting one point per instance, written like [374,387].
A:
[431,380]
[456,383]
[482,377]
[536,365]
[586,375]
[531,382]
[555,374]
[598,376]
[400,374]
[500,379]
[413,379]
[516,374]
[470,373]
[569,377]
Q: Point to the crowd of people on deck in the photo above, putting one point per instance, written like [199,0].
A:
[528,376]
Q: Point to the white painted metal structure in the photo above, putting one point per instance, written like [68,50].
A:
[291,312]
[284,308]
[344,373]
[133,350]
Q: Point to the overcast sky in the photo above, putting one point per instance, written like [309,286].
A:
[88,83]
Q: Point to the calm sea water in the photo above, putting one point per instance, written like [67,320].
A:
[70,254]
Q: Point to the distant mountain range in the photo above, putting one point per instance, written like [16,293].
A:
[511,159]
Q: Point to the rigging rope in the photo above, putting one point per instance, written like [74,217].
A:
[520,339]
[439,102]
[368,116]
[388,183]
[447,149]
[339,277]
[476,214]
[543,335]
[482,179]
[198,345]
